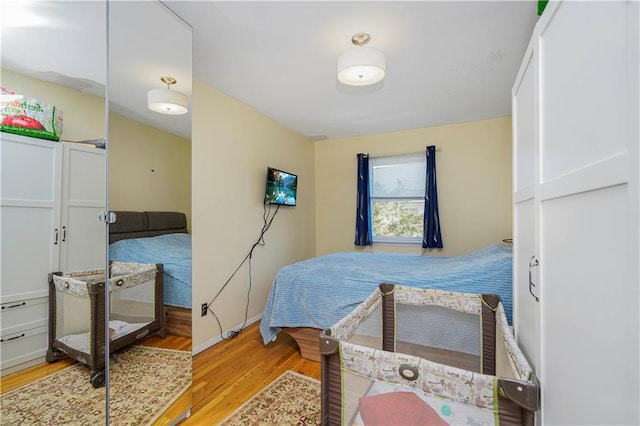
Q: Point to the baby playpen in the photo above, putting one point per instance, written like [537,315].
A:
[423,356]
[77,309]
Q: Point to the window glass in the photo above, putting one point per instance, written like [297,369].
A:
[397,198]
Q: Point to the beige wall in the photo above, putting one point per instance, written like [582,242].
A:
[148,169]
[82,114]
[473,167]
[134,148]
[232,145]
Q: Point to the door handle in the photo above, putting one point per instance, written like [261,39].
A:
[12,338]
[64,234]
[56,240]
[533,262]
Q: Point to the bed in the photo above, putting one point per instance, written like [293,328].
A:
[424,356]
[159,237]
[309,296]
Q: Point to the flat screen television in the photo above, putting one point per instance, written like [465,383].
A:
[282,187]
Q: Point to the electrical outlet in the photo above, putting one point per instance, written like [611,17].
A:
[204,309]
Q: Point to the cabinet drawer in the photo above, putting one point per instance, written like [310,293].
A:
[29,313]
[21,347]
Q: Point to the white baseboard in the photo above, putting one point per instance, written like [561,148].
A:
[215,340]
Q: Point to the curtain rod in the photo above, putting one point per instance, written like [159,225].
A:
[402,154]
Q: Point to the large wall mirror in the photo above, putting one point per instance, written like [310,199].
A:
[54,53]
[149,165]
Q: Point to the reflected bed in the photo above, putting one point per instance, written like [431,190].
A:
[159,237]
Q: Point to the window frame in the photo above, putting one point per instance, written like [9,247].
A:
[401,158]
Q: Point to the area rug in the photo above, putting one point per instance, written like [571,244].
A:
[291,399]
[144,382]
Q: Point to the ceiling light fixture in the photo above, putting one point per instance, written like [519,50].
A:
[361,65]
[167,101]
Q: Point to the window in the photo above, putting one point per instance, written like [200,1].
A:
[397,198]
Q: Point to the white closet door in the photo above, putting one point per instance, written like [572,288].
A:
[83,198]
[588,218]
[526,309]
[30,215]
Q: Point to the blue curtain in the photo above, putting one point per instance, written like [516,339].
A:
[431,237]
[363,213]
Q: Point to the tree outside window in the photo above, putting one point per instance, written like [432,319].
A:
[397,198]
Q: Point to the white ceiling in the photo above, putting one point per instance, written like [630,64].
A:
[447,62]
[65,42]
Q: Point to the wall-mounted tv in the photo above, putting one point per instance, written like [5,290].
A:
[282,187]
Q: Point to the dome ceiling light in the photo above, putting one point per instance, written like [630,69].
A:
[167,101]
[361,65]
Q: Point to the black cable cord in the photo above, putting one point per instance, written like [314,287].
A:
[259,242]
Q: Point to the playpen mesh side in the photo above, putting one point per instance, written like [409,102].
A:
[437,345]
[78,308]
[441,327]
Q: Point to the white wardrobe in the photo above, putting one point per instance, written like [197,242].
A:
[51,196]
[576,163]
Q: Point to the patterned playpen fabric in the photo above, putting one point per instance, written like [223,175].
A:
[503,388]
[123,275]
[435,379]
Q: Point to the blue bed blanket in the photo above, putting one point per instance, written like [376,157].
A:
[318,292]
[173,251]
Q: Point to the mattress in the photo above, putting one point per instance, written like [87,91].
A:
[318,292]
[173,251]
[447,411]
[81,342]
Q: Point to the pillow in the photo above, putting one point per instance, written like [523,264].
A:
[398,408]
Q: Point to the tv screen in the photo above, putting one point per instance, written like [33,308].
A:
[281,188]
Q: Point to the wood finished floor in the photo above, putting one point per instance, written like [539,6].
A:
[228,374]
[224,376]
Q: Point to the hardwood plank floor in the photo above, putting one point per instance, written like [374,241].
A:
[228,374]
[225,376]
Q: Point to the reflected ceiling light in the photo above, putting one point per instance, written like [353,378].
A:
[167,101]
[361,65]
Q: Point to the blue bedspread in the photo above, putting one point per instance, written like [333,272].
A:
[320,291]
[172,250]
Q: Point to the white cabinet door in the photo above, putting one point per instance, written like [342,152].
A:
[30,215]
[52,194]
[526,309]
[581,216]
[588,192]
[83,240]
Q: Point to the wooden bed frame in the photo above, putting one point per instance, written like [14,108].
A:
[130,224]
[308,341]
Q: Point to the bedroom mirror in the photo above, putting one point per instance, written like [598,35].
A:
[54,54]
[149,175]
[53,74]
